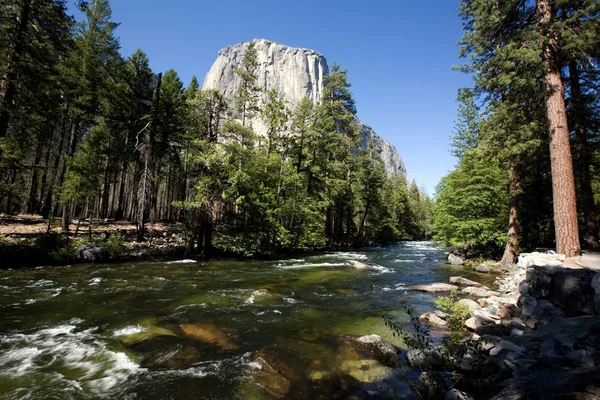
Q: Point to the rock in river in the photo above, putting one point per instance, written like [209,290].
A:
[208,333]
[433,287]
[357,265]
[459,280]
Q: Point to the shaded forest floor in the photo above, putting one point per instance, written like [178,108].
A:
[25,240]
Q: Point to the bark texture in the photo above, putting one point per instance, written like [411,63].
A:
[512,241]
[563,183]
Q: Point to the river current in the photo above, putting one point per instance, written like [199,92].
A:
[194,330]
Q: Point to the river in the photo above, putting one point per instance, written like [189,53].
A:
[192,330]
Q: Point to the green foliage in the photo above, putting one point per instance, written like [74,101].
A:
[459,313]
[57,247]
[115,245]
[471,206]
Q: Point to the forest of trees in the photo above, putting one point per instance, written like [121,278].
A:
[86,134]
[527,134]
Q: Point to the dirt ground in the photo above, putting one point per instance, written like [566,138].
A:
[24,225]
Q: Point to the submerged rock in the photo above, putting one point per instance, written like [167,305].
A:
[276,370]
[210,334]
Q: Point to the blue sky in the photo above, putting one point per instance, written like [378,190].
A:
[399,55]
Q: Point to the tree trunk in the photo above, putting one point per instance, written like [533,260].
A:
[33,188]
[563,183]
[146,188]
[66,215]
[583,160]
[8,88]
[512,241]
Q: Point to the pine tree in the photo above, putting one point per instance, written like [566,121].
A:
[563,183]
[247,95]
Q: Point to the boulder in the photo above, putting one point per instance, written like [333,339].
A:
[433,320]
[455,260]
[472,323]
[91,252]
[459,280]
[478,292]
[210,334]
[357,265]
[383,351]
[540,259]
[567,331]
[433,287]
[485,269]
[506,345]
[580,359]
[276,370]
[524,288]
[431,385]
[469,303]
[569,288]
[497,330]
[455,394]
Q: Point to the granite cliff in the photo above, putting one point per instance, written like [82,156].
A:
[294,73]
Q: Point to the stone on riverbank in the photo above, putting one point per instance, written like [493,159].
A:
[569,288]
[459,280]
[479,292]
[433,320]
[455,260]
[382,350]
[469,303]
[91,252]
[485,269]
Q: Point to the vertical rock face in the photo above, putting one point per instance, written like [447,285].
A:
[294,73]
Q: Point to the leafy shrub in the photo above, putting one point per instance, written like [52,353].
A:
[115,245]
[459,313]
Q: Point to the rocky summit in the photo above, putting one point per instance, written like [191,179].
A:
[295,74]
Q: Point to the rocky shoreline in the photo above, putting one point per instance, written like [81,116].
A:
[535,336]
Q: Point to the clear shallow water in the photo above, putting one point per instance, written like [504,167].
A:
[186,330]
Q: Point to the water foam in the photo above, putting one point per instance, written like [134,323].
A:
[310,265]
[186,261]
[348,255]
[78,353]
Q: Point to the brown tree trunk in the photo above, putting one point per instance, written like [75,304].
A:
[66,213]
[33,188]
[512,241]
[146,197]
[583,161]
[8,87]
[563,183]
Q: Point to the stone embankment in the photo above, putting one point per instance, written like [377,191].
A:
[535,335]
